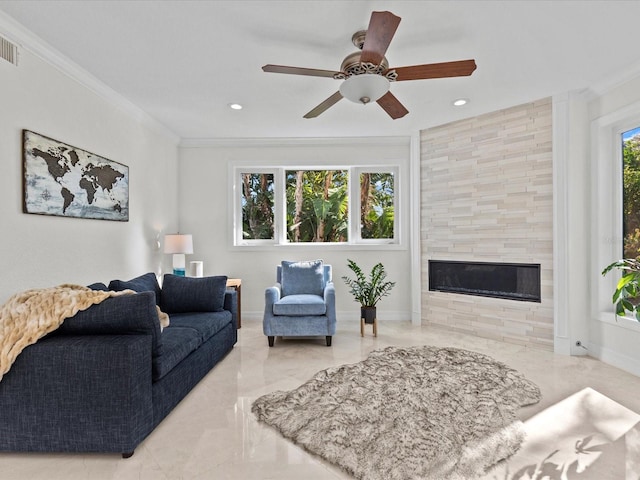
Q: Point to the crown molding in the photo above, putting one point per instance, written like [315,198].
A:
[614,81]
[293,142]
[27,40]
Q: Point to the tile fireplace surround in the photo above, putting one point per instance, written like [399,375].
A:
[486,196]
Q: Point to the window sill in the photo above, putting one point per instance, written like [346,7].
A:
[316,246]
[627,323]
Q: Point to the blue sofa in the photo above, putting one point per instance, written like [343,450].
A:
[108,376]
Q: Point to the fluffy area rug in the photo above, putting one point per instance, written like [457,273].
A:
[407,413]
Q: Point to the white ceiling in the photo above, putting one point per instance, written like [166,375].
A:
[183,62]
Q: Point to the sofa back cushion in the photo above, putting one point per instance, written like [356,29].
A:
[121,315]
[299,278]
[144,283]
[187,294]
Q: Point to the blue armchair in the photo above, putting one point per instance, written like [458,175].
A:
[302,303]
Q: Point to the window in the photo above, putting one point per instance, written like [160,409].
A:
[317,205]
[257,206]
[377,200]
[344,205]
[631,193]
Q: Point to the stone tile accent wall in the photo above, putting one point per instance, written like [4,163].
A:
[486,195]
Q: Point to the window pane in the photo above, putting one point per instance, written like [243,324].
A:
[317,206]
[631,192]
[376,205]
[257,206]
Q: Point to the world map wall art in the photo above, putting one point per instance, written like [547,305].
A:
[66,181]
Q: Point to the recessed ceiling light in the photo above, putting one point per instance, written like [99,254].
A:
[235,106]
[460,102]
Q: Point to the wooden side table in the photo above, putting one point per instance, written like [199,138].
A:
[236,284]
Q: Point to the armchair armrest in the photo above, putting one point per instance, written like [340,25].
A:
[330,301]
[272,295]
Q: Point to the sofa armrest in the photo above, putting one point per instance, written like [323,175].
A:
[231,304]
[78,393]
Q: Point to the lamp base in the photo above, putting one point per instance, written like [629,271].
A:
[179,264]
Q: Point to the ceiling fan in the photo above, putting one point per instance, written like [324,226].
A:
[366,73]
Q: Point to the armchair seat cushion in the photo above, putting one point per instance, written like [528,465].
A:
[300,305]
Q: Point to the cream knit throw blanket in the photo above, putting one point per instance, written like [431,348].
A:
[30,315]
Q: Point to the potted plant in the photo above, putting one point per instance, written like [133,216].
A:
[368,292]
[627,295]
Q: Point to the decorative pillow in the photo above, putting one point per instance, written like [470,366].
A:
[144,283]
[98,286]
[302,277]
[189,294]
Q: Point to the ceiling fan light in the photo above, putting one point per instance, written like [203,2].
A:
[364,88]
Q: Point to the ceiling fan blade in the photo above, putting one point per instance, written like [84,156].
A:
[329,102]
[312,72]
[392,106]
[462,68]
[382,27]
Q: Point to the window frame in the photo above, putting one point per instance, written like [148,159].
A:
[280,238]
[354,193]
[607,205]
[238,238]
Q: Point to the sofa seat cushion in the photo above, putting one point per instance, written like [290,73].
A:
[177,344]
[300,305]
[207,324]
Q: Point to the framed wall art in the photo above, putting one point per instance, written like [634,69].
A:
[63,180]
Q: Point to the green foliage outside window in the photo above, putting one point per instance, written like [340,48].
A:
[257,206]
[376,205]
[317,205]
[631,193]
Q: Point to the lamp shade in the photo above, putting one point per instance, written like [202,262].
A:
[364,88]
[178,243]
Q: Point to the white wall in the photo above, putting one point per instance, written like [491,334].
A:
[205,206]
[40,251]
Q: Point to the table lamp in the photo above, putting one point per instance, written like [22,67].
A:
[178,244]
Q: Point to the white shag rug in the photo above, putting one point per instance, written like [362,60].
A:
[407,413]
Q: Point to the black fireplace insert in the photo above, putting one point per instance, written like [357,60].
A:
[514,281]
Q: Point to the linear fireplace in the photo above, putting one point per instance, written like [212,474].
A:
[514,281]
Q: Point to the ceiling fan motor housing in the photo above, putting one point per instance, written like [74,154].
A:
[351,65]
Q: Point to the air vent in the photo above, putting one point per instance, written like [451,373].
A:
[8,51]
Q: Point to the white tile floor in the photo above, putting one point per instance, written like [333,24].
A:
[212,434]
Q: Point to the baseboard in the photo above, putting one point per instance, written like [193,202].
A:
[614,358]
[346,315]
